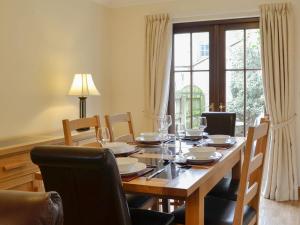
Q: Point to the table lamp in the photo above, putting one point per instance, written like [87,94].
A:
[83,86]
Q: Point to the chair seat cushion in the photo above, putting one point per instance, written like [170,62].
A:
[147,217]
[217,212]
[227,188]
[137,201]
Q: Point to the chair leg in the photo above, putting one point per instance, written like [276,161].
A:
[165,205]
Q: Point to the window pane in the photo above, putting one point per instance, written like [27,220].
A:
[200,96]
[235,98]
[200,51]
[182,51]
[253,56]
[183,98]
[254,97]
[235,49]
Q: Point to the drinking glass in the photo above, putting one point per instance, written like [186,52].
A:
[103,135]
[180,133]
[203,125]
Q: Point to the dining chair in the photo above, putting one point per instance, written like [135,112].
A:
[134,201]
[245,210]
[71,125]
[220,123]
[90,186]
[228,187]
[30,208]
[112,120]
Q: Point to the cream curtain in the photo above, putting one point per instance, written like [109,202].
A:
[158,39]
[277,47]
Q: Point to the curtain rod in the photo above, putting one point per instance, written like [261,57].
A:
[215,16]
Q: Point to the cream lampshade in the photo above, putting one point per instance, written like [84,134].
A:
[83,86]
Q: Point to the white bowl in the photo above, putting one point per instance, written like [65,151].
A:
[193,132]
[126,163]
[202,155]
[119,147]
[219,138]
[150,136]
[202,149]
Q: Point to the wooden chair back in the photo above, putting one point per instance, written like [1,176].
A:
[252,170]
[71,125]
[111,120]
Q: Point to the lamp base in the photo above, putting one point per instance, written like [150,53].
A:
[82,112]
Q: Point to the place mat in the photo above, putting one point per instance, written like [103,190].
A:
[147,145]
[194,138]
[136,175]
[150,143]
[223,145]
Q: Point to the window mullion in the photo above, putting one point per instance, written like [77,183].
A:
[191,79]
[245,85]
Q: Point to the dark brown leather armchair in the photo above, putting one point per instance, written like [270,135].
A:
[30,208]
[220,123]
[89,183]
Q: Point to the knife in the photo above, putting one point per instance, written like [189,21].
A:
[154,174]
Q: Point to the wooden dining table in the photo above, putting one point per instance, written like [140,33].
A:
[188,184]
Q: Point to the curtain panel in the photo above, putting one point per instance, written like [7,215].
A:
[158,48]
[278,77]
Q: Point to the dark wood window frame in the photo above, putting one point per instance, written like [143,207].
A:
[217,56]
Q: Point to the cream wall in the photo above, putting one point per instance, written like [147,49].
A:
[42,44]
[127,36]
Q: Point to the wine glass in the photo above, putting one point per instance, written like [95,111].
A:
[180,133]
[103,135]
[162,128]
[168,120]
[202,125]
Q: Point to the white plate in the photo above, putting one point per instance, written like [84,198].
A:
[135,169]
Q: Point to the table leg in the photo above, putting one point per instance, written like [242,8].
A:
[194,211]
[236,170]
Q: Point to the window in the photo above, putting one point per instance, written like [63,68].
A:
[204,49]
[217,68]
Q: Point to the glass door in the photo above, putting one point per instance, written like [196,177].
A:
[191,77]
[217,67]
[244,85]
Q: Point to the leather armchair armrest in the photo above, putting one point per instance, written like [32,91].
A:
[30,208]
